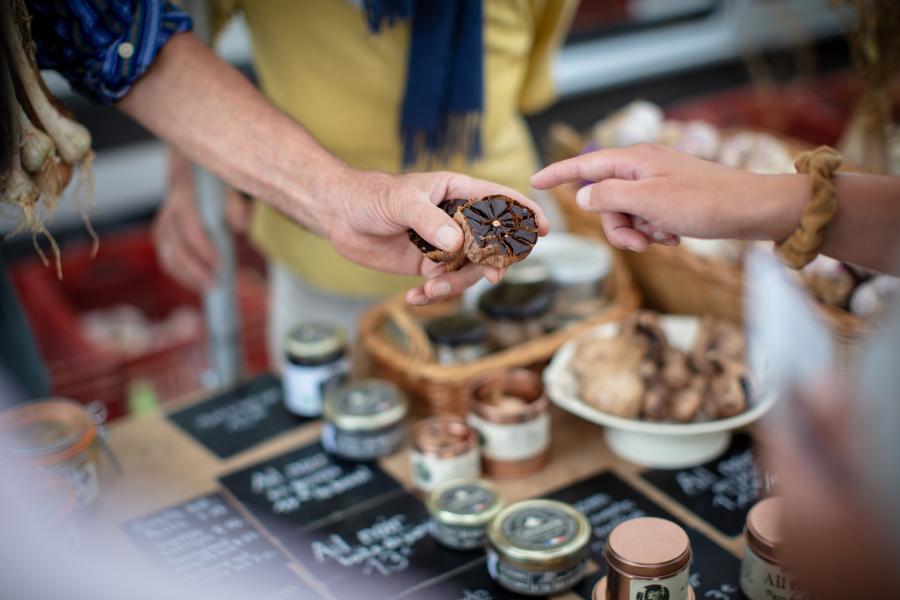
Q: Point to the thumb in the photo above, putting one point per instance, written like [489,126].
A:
[433,224]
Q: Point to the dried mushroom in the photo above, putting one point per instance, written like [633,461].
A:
[619,393]
[499,231]
[454,260]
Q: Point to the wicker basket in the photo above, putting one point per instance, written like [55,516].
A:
[408,361]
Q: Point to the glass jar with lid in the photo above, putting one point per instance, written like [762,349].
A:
[315,362]
[364,420]
[458,338]
[461,510]
[516,313]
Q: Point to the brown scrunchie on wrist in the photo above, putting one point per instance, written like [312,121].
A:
[802,246]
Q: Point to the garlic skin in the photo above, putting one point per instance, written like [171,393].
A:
[871,298]
[694,137]
[757,152]
[36,147]
[638,122]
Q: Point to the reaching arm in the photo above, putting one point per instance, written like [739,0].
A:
[683,195]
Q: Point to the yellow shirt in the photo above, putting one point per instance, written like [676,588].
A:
[317,61]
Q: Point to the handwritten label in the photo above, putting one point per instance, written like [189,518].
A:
[472,583]
[720,492]
[606,500]
[206,544]
[240,418]
[306,486]
[378,553]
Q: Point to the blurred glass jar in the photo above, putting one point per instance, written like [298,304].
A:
[458,338]
[461,510]
[516,312]
[315,362]
[364,420]
[579,267]
[443,448]
[56,434]
[763,574]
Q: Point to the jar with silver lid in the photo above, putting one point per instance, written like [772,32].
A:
[315,363]
[461,510]
[443,447]
[364,420]
[538,547]
[458,338]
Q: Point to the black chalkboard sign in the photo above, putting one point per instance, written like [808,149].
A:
[379,553]
[606,500]
[720,492]
[240,418]
[205,544]
[472,583]
[304,487]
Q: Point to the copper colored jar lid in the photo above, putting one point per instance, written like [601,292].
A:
[509,396]
[648,547]
[763,531]
[444,436]
[48,432]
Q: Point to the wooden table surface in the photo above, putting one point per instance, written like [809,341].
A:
[163,466]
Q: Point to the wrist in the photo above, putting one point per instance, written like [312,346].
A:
[777,207]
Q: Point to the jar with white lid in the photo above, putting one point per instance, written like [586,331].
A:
[364,420]
[315,362]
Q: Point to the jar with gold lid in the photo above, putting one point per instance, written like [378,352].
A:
[443,447]
[538,547]
[461,510]
[648,558]
[511,413]
[763,575]
[364,420]
[315,362]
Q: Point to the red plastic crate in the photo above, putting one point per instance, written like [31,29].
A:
[126,272]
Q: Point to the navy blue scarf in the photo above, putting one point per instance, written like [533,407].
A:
[444,97]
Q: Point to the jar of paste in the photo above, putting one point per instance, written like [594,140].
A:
[457,339]
[763,576]
[56,434]
[516,312]
[538,547]
[315,363]
[364,420]
[647,558]
[511,413]
[461,510]
[443,448]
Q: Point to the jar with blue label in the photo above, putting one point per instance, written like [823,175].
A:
[315,362]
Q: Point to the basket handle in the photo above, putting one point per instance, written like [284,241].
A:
[420,348]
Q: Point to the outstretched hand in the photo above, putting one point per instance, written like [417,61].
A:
[369,220]
[653,194]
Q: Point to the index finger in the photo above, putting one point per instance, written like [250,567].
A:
[620,163]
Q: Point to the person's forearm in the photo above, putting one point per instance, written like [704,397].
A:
[216,118]
[866,229]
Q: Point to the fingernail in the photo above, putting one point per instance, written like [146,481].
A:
[440,289]
[447,236]
[634,248]
[416,299]
[659,236]
[583,197]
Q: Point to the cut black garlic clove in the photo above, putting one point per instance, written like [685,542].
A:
[499,231]
[451,259]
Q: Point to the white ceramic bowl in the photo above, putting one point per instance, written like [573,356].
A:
[654,444]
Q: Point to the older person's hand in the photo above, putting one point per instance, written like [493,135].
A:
[368,219]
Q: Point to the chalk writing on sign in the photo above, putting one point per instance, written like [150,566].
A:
[734,486]
[604,513]
[244,414]
[383,548]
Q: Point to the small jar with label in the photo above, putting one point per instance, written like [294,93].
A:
[538,547]
[458,338]
[461,510]
[56,434]
[763,575]
[516,312]
[511,413]
[648,558]
[364,420]
[444,448]
[315,363]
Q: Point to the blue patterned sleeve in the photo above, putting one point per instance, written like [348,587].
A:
[102,46]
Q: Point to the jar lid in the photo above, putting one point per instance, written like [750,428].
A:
[457,330]
[46,432]
[314,340]
[648,547]
[540,533]
[464,502]
[517,302]
[531,270]
[763,531]
[574,260]
[508,396]
[444,435]
[365,405]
